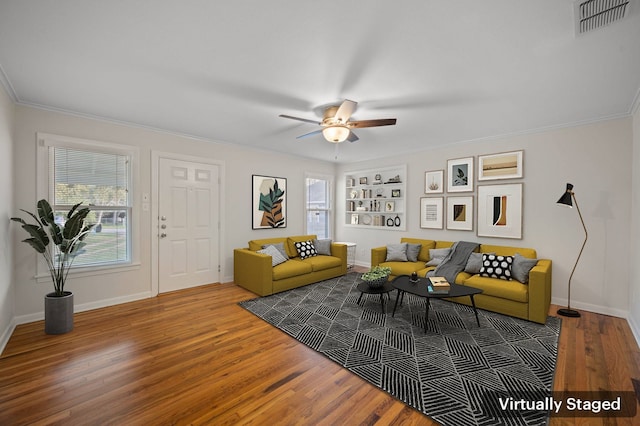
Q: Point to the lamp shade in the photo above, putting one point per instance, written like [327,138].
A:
[566,197]
[336,134]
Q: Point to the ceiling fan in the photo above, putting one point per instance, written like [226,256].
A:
[335,123]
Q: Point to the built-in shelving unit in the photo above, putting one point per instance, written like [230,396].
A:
[375,198]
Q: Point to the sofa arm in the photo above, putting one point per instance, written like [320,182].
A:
[378,255]
[540,291]
[340,250]
[253,271]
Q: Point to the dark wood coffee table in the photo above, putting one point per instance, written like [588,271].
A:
[404,284]
[386,288]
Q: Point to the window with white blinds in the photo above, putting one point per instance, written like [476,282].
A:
[100,180]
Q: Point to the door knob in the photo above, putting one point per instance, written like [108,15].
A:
[163,235]
[163,226]
[163,218]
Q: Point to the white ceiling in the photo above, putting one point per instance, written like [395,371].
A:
[449,71]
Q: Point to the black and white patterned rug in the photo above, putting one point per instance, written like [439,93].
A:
[453,373]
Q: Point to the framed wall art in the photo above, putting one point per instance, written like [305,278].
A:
[269,202]
[460,175]
[434,182]
[500,211]
[460,213]
[506,165]
[431,212]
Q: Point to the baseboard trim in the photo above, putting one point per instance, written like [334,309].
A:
[6,335]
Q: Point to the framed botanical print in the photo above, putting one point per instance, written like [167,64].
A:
[460,175]
[460,213]
[506,165]
[431,210]
[269,202]
[434,182]
[500,211]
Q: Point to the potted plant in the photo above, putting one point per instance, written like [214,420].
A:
[376,276]
[59,244]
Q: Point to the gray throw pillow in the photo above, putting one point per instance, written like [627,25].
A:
[397,252]
[474,263]
[521,267]
[280,248]
[323,246]
[436,256]
[413,250]
[276,257]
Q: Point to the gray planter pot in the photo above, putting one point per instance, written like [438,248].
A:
[58,313]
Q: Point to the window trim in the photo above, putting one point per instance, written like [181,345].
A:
[44,188]
[330,209]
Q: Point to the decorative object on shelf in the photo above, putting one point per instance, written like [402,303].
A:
[389,206]
[568,199]
[363,181]
[460,213]
[380,192]
[377,179]
[269,201]
[396,221]
[390,221]
[354,219]
[434,182]
[59,245]
[376,276]
[500,211]
[460,173]
[431,210]
[351,182]
[395,193]
[354,194]
[366,219]
[506,165]
[395,179]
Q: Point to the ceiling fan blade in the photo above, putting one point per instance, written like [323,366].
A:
[373,123]
[300,119]
[345,111]
[352,137]
[315,132]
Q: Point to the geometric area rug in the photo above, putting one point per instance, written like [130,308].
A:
[456,372]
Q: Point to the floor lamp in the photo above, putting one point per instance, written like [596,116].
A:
[568,199]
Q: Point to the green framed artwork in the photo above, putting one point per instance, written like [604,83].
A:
[269,202]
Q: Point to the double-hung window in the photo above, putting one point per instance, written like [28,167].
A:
[318,207]
[99,176]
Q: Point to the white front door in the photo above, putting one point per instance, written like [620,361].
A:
[188,208]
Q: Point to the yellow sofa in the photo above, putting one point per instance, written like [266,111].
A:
[253,270]
[527,301]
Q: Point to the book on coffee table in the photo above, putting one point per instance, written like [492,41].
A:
[439,282]
[437,290]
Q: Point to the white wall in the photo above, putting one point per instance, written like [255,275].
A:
[634,283]
[596,158]
[239,164]
[6,211]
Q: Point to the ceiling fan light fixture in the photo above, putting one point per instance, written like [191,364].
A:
[336,134]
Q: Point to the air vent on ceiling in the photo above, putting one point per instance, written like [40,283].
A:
[593,14]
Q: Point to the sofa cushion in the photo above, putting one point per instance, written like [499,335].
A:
[437,256]
[403,268]
[413,250]
[291,268]
[276,257]
[280,248]
[495,266]
[291,243]
[521,268]
[423,255]
[255,245]
[396,252]
[512,290]
[305,249]
[321,262]
[474,263]
[323,246]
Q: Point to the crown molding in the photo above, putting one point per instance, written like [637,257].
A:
[8,88]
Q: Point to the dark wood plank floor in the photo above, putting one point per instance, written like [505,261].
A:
[196,357]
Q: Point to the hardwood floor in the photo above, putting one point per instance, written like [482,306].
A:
[196,357]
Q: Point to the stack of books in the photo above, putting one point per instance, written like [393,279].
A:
[439,285]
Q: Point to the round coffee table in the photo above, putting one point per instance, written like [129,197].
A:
[386,288]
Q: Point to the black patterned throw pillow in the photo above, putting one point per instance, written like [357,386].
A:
[495,266]
[306,249]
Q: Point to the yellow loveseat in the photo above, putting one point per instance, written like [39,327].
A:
[527,301]
[253,270]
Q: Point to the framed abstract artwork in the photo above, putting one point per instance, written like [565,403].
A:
[434,182]
[431,211]
[460,175]
[500,211]
[506,165]
[460,213]
[269,202]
